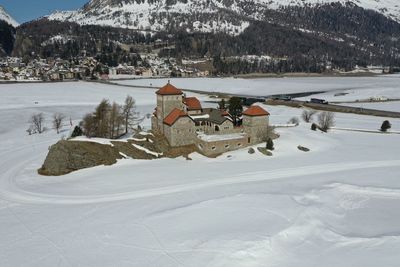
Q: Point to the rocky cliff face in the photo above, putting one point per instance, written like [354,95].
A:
[66,156]
[72,155]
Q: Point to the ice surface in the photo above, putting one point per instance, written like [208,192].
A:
[366,86]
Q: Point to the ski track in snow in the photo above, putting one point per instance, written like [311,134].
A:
[10,191]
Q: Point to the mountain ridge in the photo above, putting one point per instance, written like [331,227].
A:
[4,16]
[230,16]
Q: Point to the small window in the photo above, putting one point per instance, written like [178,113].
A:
[216,128]
[226,146]
[213,148]
[239,144]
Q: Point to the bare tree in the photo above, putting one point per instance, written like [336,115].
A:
[128,111]
[116,120]
[326,120]
[58,119]
[294,120]
[101,119]
[307,115]
[30,130]
[37,123]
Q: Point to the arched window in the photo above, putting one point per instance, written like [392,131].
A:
[216,128]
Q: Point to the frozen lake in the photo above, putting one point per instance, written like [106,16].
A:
[272,86]
[336,205]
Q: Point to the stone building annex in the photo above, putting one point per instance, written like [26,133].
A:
[183,121]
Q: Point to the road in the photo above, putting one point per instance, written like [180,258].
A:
[335,108]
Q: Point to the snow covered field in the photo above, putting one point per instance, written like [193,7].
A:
[334,206]
[379,85]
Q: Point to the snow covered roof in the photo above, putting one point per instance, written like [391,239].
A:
[220,137]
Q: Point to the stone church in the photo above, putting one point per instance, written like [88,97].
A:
[183,121]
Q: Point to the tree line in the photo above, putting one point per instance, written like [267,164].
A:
[111,120]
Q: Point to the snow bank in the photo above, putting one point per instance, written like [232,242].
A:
[147,150]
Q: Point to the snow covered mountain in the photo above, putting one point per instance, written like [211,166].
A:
[7,32]
[229,16]
[7,18]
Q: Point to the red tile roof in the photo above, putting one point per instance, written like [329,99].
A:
[255,111]
[174,116]
[169,89]
[192,103]
[225,113]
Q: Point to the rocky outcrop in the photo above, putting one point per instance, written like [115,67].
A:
[68,156]
[71,155]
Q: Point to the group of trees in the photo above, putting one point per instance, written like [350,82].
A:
[326,120]
[35,39]
[37,123]
[107,121]
[111,120]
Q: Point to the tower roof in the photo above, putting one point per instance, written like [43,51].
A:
[192,103]
[169,89]
[255,111]
[174,116]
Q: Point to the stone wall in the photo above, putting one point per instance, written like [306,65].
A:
[256,127]
[221,146]
[155,124]
[181,133]
[169,103]
[211,128]
[194,112]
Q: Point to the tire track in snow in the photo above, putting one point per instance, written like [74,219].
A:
[10,191]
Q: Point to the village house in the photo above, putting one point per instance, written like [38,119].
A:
[183,121]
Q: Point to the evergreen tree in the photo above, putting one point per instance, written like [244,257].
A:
[386,126]
[235,108]
[77,131]
[270,144]
[222,104]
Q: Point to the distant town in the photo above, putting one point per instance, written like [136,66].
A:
[15,69]
[88,68]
